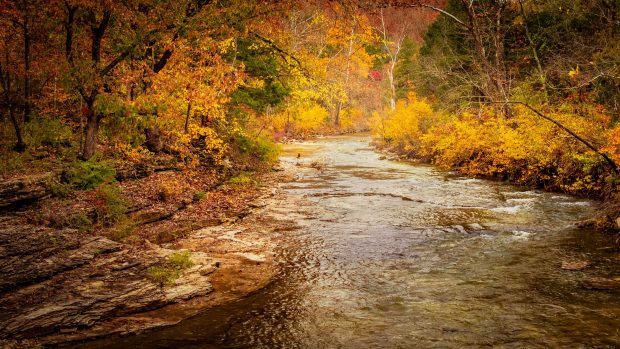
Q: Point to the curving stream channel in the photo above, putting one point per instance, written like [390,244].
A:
[394,255]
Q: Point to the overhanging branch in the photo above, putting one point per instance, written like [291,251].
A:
[612,165]
[285,55]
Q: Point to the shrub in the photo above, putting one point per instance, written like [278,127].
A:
[260,147]
[302,119]
[199,195]
[167,189]
[44,131]
[11,161]
[89,174]
[524,148]
[181,260]
[110,206]
[79,221]
[123,229]
[58,189]
[403,127]
[163,275]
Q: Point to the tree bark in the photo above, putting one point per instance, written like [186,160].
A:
[20,146]
[153,139]
[337,115]
[27,75]
[5,76]
[393,53]
[93,119]
[90,132]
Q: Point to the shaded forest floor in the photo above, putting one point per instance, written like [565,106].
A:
[73,268]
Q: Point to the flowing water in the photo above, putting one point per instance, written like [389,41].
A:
[394,255]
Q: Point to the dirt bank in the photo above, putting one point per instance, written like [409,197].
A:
[62,285]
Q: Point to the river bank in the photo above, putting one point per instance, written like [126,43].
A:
[186,252]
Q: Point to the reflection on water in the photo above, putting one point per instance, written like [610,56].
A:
[401,256]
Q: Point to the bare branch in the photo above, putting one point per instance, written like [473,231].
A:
[612,165]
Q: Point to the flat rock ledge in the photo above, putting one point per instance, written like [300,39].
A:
[62,281]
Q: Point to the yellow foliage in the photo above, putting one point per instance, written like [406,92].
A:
[524,148]
[352,119]
[573,73]
[404,126]
[303,119]
[612,147]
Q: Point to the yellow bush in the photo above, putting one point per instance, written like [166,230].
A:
[352,120]
[525,148]
[301,119]
[612,144]
[403,127]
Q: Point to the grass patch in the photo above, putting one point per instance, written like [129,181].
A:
[199,195]
[175,264]
[260,147]
[164,276]
[242,179]
[181,260]
[123,229]
[79,221]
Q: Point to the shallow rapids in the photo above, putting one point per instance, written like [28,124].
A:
[394,255]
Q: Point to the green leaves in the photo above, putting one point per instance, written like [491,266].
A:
[84,175]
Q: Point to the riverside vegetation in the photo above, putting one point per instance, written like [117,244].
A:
[127,126]
[525,91]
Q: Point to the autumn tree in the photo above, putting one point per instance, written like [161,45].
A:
[396,28]
[9,69]
[329,42]
[18,25]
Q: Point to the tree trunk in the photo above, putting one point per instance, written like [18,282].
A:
[27,78]
[393,59]
[154,142]
[337,116]
[5,77]
[541,72]
[474,31]
[495,71]
[20,146]
[90,133]
[392,83]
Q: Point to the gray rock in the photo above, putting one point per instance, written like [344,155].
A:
[25,189]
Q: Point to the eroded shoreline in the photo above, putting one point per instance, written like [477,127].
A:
[102,288]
